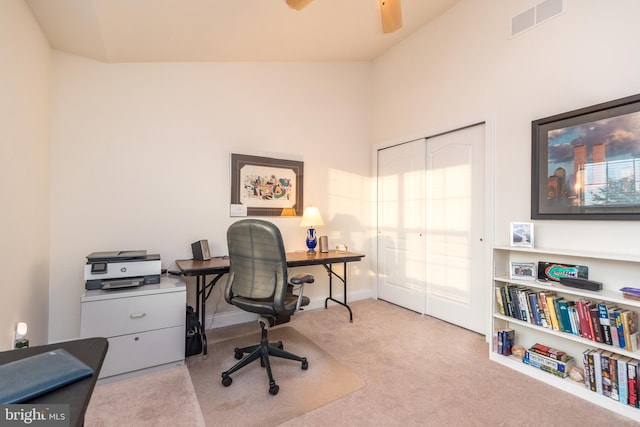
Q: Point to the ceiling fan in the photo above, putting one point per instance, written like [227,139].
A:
[390,13]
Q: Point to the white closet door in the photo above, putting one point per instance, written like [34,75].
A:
[401,225]
[455,228]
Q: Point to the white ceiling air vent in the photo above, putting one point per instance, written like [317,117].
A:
[536,15]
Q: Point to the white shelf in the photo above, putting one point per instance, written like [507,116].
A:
[572,253]
[613,270]
[568,385]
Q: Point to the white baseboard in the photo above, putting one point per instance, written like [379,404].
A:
[236,317]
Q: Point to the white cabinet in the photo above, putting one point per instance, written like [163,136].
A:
[613,270]
[145,325]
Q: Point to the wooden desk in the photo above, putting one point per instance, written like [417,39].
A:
[77,395]
[220,266]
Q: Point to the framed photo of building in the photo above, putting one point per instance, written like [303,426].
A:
[266,186]
[523,270]
[586,163]
[522,234]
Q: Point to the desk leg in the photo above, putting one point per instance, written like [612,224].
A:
[201,301]
[332,273]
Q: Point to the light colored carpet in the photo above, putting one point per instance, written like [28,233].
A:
[159,399]
[247,402]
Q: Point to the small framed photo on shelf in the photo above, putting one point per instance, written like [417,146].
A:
[523,270]
[522,234]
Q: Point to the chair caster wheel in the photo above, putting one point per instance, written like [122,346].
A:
[226,381]
[237,354]
[280,345]
[274,389]
[305,364]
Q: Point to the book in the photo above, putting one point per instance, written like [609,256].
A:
[500,300]
[552,312]
[632,383]
[573,318]
[535,308]
[598,371]
[584,319]
[613,372]
[630,328]
[564,315]
[595,323]
[544,367]
[605,326]
[585,368]
[623,380]
[550,352]
[614,331]
[620,329]
[556,305]
[551,363]
[592,370]
[524,305]
[543,296]
[605,369]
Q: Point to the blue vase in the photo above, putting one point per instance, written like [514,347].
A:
[312,240]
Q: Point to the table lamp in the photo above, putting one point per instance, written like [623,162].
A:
[311,218]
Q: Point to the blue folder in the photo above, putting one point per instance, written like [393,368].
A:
[32,376]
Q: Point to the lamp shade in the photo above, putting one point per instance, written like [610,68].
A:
[311,217]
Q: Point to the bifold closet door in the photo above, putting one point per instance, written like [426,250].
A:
[455,228]
[401,225]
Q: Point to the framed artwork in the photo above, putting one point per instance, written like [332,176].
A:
[266,186]
[523,270]
[522,234]
[586,163]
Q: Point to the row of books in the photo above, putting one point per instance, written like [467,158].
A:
[612,375]
[597,321]
[549,360]
[503,340]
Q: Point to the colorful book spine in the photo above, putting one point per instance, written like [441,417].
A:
[550,352]
[620,329]
[552,312]
[605,368]
[551,363]
[544,367]
[605,326]
[623,380]
[613,371]
[632,383]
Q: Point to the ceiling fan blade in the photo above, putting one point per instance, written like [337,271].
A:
[390,15]
[298,4]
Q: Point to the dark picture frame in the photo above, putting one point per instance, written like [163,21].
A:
[586,163]
[267,186]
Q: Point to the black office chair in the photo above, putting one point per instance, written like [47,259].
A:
[257,283]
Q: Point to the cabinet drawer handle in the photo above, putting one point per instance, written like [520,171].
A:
[137,316]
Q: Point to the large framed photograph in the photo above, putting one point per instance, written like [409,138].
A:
[522,234]
[266,186]
[586,163]
[523,270]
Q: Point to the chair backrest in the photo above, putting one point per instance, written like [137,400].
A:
[257,262]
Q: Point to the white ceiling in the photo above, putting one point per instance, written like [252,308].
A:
[225,30]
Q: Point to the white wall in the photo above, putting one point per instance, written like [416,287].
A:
[140,160]
[24,174]
[464,65]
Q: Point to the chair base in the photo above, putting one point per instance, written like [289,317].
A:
[262,352]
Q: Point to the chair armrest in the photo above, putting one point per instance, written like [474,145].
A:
[300,280]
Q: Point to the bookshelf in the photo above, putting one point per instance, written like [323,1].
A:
[613,270]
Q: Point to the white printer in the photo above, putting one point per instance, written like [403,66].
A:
[121,269]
